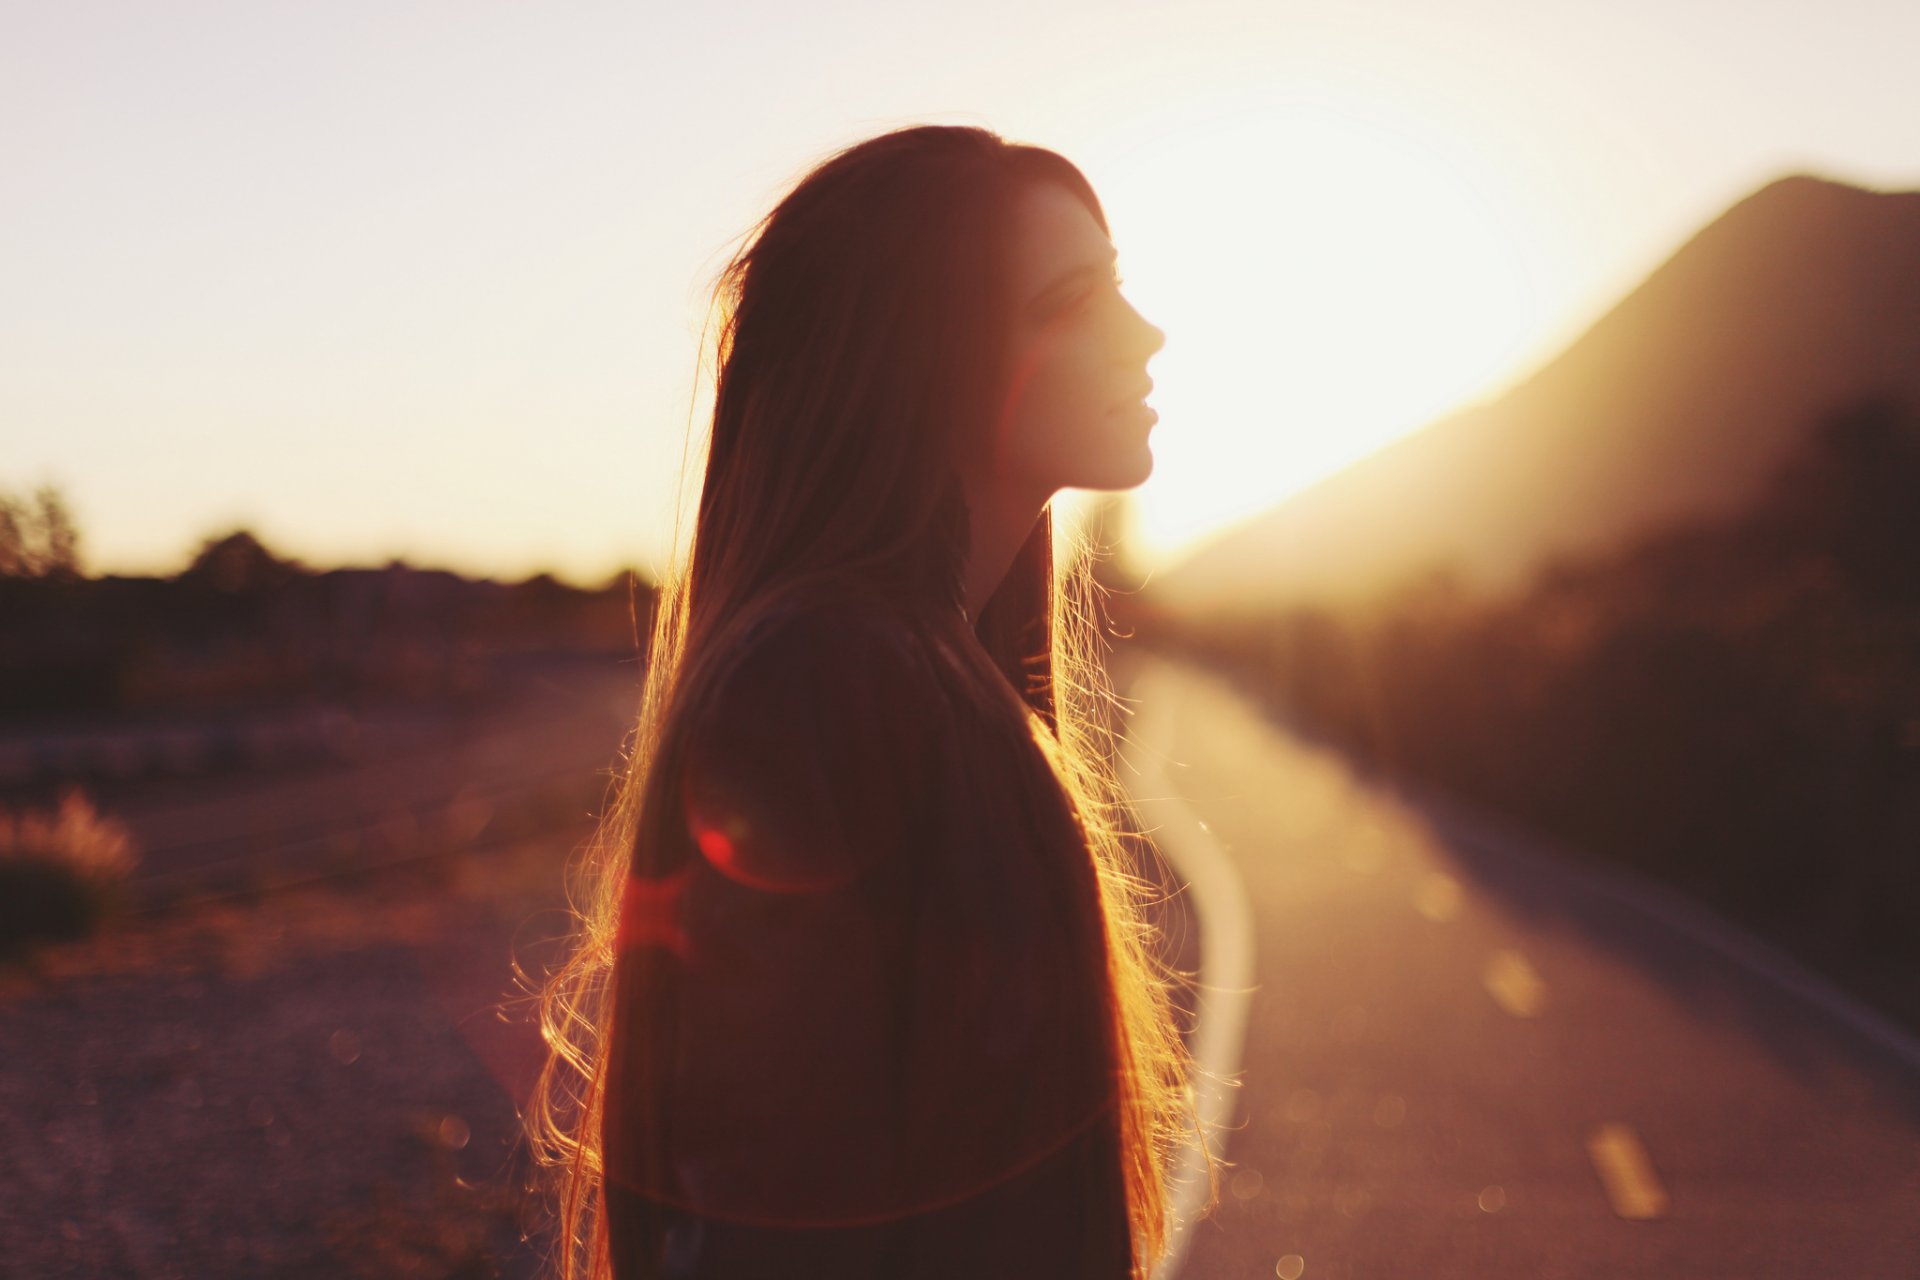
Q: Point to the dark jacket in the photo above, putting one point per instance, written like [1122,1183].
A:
[860,1012]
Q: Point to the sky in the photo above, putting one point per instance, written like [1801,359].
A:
[427,280]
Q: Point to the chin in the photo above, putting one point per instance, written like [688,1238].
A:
[1138,469]
[1119,477]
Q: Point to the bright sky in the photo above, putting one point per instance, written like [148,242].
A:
[425,279]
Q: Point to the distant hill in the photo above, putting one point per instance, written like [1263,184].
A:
[1678,403]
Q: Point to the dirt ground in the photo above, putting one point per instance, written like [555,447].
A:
[317,1081]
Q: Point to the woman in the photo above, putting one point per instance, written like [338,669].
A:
[862,985]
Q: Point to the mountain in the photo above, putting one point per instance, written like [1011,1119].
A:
[1677,404]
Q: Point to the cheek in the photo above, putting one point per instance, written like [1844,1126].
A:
[1062,415]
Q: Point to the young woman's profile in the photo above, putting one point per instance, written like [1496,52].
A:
[862,984]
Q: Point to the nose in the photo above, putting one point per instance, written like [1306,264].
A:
[1153,337]
[1150,335]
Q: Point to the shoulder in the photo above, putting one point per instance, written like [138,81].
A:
[809,751]
[842,658]
[856,626]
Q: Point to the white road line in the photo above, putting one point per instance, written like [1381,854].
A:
[1694,919]
[1225,920]
[1505,838]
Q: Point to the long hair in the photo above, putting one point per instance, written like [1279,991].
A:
[863,347]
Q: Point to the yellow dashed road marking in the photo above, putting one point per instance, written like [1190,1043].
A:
[1626,1172]
[1438,898]
[1514,984]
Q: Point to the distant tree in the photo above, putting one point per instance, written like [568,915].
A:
[13,551]
[237,563]
[1849,495]
[37,536]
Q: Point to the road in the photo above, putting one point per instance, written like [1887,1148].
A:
[1461,1058]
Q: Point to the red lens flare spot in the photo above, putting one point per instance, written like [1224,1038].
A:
[717,845]
[790,863]
[789,856]
[724,837]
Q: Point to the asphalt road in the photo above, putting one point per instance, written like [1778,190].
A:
[1457,1056]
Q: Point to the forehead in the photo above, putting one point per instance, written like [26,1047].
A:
[1053,232]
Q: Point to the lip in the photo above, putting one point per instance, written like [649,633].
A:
[1136,398]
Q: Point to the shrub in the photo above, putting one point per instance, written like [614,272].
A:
[61,873]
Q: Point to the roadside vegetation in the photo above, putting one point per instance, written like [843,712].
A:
[62,873]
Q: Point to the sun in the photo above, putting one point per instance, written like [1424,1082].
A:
[1333,269]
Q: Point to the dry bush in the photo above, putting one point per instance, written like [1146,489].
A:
[61,873]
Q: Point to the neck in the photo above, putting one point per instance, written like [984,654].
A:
[999,524]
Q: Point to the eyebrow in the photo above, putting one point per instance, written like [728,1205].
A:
[1074,274]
